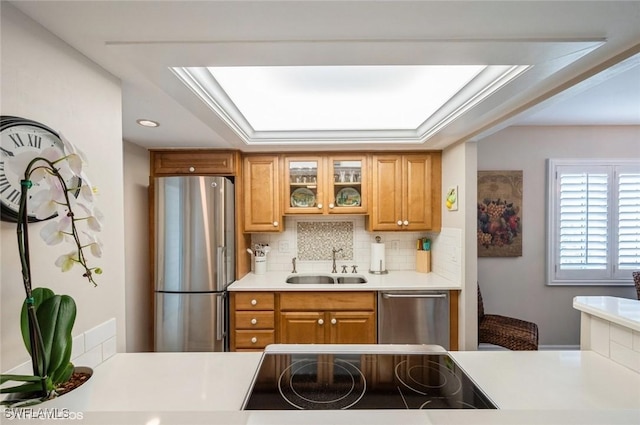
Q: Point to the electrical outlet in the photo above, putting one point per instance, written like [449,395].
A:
[395,245]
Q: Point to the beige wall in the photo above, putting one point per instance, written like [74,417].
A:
[46,80]
[136,248]
[459,169]
[517,286]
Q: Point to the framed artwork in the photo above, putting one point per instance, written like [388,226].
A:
[499,214]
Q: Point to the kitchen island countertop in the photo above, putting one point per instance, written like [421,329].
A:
[394,280]
[568,387]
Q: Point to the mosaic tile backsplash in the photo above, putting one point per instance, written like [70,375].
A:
[446,247]
[317,239]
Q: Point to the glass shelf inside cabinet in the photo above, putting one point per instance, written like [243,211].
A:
[347,183]
[303,183]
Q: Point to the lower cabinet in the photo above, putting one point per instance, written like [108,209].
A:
[328,327]
[262,318]
[252,320]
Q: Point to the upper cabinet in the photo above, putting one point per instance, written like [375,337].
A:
[325,184]
[262,194]
[194,162]
[405,192]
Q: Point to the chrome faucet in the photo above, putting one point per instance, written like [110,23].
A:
[334,252]
[293,263]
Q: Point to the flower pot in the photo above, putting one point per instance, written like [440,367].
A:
[81,374]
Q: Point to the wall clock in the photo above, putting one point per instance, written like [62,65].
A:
[18,136]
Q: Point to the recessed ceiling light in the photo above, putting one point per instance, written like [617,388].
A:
[147,123]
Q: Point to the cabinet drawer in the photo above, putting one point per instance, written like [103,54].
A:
[254,301]
[254,320]
[334,301]
[194,162]
[254,339]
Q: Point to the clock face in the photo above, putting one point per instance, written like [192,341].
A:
[21,136]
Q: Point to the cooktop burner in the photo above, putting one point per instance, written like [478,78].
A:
[348,380]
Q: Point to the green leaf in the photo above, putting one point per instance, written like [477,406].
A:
[56,316]
[24,388]
[39,295]
[25,378]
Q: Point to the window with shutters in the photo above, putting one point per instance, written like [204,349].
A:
[594,221]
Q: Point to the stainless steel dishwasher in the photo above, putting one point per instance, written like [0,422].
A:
[413,317]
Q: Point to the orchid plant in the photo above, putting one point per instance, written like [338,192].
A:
[46,318]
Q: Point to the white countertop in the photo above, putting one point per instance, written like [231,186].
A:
[394,280]
[623,311]
[568,387]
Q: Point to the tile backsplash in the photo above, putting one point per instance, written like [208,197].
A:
[310,240]
[89,348]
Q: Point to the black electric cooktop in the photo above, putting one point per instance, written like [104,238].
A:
[371,380]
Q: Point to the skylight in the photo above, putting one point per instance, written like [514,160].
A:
[297,98]
[334,104]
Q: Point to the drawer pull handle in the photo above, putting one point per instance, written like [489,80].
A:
[192,169]
[320,322]
[254,321]
[254,302]
[334,321]
[254,340]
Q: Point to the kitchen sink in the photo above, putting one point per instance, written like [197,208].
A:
[351,279]
[324,279]
[310,279]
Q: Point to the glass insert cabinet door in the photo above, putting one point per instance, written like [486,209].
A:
[303,185]
[346,188]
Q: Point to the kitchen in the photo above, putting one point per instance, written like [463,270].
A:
[81,83]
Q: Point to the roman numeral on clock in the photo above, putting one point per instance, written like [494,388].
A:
[35,141]
[4,183]
[17,140]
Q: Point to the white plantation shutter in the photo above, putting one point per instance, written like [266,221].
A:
[594,221]
[628,183]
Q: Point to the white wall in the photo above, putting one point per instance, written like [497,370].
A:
[517,286]
[46,80]
[136,248]
[459,169]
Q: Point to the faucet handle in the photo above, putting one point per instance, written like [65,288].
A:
[344,268]
[354,269]
[293,262]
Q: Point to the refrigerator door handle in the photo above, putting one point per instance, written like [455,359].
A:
[221,324]
[222,267]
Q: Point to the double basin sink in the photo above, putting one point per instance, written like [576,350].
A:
[324,279]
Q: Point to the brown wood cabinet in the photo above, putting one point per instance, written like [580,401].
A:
[252,320]
[325,184]
[175,162]
[405,192]
[262,194]
[327,318]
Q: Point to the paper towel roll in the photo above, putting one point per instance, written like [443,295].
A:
[377,258]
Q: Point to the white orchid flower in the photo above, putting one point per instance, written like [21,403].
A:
[48,202]
[66,261]
[95,244]
[86,189]
[94,218]
[71,149]
[55,231]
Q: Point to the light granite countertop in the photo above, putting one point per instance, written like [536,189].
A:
[568,387]
[394,280]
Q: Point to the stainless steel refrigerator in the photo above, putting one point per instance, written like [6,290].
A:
[194,262]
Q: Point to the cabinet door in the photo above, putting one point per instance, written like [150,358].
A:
[417,186]
[346,184]
[352,327]
[303,185]
[302,327]
[193,162]
[261,194]
[386,191]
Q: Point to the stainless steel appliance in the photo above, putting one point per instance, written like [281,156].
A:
[333,377]
[194,262]
[413,317]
